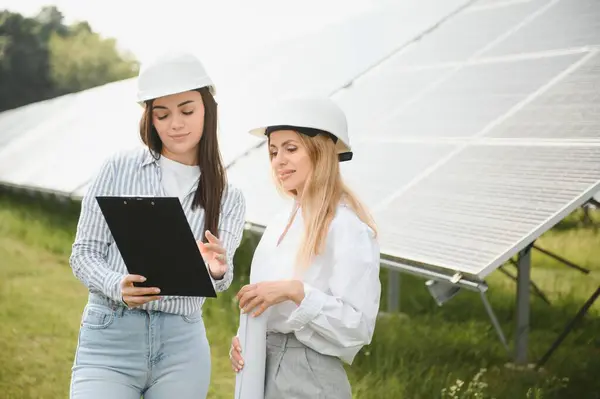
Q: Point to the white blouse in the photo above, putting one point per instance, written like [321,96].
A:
[342,292]
[342,288]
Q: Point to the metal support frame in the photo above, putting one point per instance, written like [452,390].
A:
[534,286]
[594,202]
[568,328]
[523,280]
[523,305]
[393,295]
[463,281]
[451,284]
[494,319]
[561,259]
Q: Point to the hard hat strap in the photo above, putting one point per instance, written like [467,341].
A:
[345,156]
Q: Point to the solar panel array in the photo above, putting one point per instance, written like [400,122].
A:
[469,143]
[59,144]
[56,145]
[475,140]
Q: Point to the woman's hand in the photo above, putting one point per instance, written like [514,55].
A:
[136,296]
[214,255]
[235,355]
[262,295]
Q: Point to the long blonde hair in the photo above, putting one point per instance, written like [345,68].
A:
[323,191]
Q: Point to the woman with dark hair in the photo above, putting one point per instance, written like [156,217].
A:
[132,341]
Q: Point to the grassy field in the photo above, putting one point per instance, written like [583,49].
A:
[416,354]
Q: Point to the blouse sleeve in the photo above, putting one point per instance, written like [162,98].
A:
[92,239]
[345,315]
[231,230]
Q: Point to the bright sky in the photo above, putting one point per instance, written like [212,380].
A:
[226,26]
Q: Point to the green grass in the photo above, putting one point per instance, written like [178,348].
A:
[415,354]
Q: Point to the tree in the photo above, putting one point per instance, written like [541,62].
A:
[51,21]
[41,58]
[23,62]
[83,59]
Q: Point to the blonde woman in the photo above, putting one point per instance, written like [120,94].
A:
[314,290]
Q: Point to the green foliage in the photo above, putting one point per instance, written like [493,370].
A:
[72,73]
[425,352]
[41,58]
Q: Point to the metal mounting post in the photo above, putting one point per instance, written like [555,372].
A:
[393,296]
[522,328]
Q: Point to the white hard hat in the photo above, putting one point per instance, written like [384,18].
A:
[308,115]
[171,73]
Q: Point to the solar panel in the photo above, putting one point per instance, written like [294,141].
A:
[14,122]
[379,168]
[70,138]
[562,25]
[377,95]
[252,174]
[569,110]
[326,60]
[59,144]
[468,143]
[463,103]
[467,32]
[480,207]
[466,156]
[492,3]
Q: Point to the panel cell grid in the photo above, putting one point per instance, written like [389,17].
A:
[484,201]
[377,169]
[568,110]
[468,32]
[376,95]
[466,102]
[566,24]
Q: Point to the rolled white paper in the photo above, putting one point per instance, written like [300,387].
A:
[252,334]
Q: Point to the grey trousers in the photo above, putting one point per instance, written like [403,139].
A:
[295,371]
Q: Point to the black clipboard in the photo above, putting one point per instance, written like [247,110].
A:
[156,241]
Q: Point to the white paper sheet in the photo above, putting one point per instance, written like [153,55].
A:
[252,334]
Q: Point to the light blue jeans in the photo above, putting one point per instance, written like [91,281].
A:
[124,354]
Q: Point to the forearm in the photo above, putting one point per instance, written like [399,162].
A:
[91,269]
[222,282]
[296,292]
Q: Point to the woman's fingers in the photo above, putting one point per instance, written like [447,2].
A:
[252,304]
[132,278]
[246,297]
[214,248]
[244,290]
[212,238]
[237,362]
[139,300]
[140,291]
[260,309]
[136,296]
[235,342]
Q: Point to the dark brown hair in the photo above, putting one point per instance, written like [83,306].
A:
[212,178]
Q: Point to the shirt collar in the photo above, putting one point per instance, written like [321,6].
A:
[149,158]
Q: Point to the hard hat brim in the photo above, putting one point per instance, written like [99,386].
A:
[344,151]
[142,97]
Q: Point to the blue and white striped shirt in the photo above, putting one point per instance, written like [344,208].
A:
[95,259]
